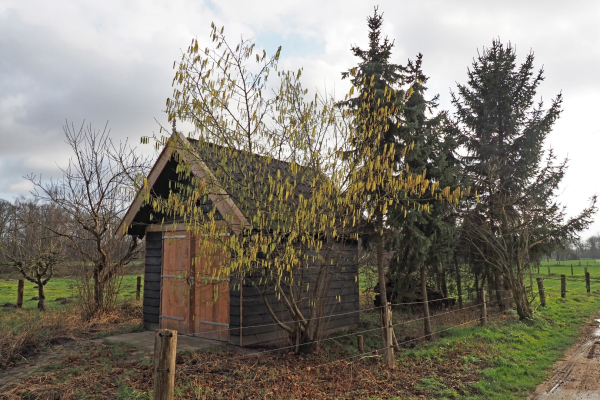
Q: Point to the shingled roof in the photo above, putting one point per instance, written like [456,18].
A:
[243,179]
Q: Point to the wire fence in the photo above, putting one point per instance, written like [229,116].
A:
[378,352]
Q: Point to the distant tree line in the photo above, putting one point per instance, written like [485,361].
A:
[578,249]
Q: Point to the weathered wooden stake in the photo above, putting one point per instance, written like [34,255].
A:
[360,343]
[458,282]
[548,270]
[165,349]
[20,288]
[426,318]
[540,283]
[571,269]
[587,282]
[138,288]
[483,308]
[389,352]
[563,286]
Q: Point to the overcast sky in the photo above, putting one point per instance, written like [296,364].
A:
[112,60]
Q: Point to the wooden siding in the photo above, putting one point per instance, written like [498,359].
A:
[258,327]
[152,270]
[175,301]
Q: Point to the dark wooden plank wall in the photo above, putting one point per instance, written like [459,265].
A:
[152,270]
[343,298]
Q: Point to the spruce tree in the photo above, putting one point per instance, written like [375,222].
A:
[516,214]
[378,82]
[420,239]
[378,144]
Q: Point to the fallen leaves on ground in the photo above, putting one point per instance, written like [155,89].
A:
[106,371]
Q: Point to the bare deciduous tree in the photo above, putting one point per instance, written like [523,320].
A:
[94,192]
[29,247]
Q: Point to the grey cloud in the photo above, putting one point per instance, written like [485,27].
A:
[112,61]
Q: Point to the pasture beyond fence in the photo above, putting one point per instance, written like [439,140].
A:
[59,292]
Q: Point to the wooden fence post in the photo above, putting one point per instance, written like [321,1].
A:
[587,281]
[540,283]
[571,269]
[563,286]
[165,349]
[483,308]
[360,343]
[548,269]
[20,288]
[138,288]
[389,351]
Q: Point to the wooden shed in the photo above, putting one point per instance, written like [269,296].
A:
[184,295]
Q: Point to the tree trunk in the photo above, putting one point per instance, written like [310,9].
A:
[478,299]
[499,291]
[41,296]
[438,277]
[520,297]
[444,282]
[426,318]
[491,288]
[97,290]
[458,282]
[386,338]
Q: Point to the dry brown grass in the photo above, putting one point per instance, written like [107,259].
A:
[24,333]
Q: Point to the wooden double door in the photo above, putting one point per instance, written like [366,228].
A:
[194,291]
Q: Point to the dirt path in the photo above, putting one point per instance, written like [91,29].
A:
[578,375]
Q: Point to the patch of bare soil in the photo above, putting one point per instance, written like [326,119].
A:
[578,375]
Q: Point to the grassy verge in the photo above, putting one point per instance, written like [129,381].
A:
[505,360]
[512,358]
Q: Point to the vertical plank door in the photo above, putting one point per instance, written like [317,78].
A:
[211,315]
[175,283]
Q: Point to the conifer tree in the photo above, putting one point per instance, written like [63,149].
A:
[379,88]
[516,214]
[378,146]
[424,239]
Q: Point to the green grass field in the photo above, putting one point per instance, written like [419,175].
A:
[564,267]
[56,288]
